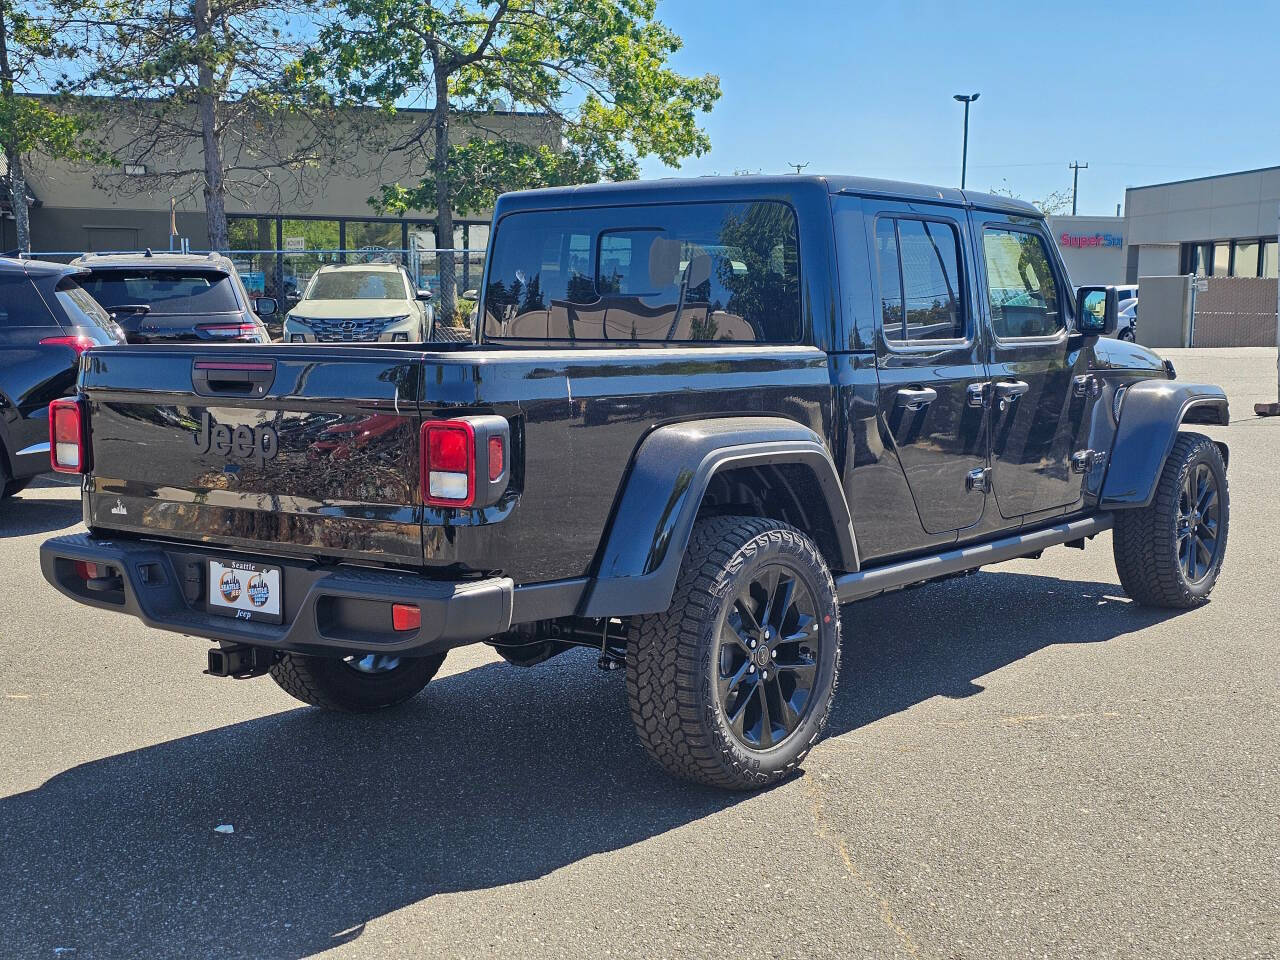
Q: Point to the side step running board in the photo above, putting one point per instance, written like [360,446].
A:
[867,583]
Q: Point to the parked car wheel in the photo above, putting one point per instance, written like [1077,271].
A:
[358,684]
[1127,334]
[732,686]
[1169,554]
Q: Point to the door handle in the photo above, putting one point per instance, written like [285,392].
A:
[915,398]
[1011,389]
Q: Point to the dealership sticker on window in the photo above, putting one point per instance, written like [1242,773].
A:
[246,591]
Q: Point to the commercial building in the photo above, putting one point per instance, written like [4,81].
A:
[1221,226]
[1093,248]
[312,211]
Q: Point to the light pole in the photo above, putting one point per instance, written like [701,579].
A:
[966,99]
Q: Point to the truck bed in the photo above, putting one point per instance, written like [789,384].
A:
[182,444]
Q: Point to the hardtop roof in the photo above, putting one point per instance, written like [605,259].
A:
[162,260]
[679,189]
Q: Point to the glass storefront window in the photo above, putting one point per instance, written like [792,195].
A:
[308,245]
[1222,258]
[374,235]
[258,272]
[1246,262]
[1270,260]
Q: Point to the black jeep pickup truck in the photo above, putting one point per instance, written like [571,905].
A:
[696,418]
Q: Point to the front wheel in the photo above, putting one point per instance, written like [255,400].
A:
[1169,554]
[732,686]
[1127,334]
[355,684]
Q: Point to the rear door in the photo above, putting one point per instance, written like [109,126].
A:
[308,451]
[31,373]
[1041,385]
[929,359]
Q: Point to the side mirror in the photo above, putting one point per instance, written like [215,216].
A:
[1097,309]
[424,294]
[265,306]
[470,295]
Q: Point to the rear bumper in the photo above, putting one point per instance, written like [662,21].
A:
[326,609]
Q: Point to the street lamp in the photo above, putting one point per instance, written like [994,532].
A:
[966,99]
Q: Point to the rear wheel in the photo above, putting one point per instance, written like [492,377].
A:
[1127,334]
[9,488]
[1169,554]
[732,686]
[358,683]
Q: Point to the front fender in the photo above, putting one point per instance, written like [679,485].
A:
[1150,415]
[645,543]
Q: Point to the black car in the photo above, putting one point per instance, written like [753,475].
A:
[696,417]
[177,297]
[47,320]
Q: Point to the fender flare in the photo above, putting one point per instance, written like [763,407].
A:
[645,542]
[1150,415]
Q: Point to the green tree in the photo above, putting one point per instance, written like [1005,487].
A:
[206,95]
[597,70]
[37,40]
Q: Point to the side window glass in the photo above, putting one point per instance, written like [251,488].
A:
[920,294]
[20,304]
[1020,285]
[890,277]
[930,254]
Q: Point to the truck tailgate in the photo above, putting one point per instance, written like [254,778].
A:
[311,451]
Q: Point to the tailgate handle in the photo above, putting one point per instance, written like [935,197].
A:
[233,378]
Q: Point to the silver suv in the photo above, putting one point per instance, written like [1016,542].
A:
[355,302]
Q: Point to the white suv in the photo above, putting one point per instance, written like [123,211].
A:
[365,301]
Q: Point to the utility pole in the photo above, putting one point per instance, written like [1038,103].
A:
[798,166]
[966,99]
[1075,166]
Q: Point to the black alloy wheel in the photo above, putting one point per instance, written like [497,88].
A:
[1198,523]
[768,657]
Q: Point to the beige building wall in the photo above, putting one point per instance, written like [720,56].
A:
[84,208]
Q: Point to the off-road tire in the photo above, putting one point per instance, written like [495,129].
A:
[671,657]
[330,683]
[1145,539]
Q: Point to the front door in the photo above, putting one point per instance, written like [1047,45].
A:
[929,362]
[1039,378]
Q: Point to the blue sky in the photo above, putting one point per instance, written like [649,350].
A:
[1143,92]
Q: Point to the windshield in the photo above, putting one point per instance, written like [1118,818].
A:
[358,285]
[165,291]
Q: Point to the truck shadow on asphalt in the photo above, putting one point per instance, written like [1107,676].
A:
[497,775]
[30,512]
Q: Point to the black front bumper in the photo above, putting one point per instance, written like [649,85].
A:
[326,609]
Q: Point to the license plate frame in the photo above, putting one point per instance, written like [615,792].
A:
[245,590]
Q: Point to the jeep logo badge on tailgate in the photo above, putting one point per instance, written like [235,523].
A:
[259,444]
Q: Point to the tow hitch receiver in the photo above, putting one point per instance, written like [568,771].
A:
[239,661]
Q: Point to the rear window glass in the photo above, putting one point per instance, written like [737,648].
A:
[358,285]
[80,307]
[164,291]
[699,272]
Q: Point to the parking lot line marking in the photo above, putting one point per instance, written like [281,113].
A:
[825,833]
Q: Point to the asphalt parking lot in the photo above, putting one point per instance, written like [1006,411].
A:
[1021,764]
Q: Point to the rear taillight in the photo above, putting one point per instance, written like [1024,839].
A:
[229,329]
[67,447]
[79,344]
[448,463]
